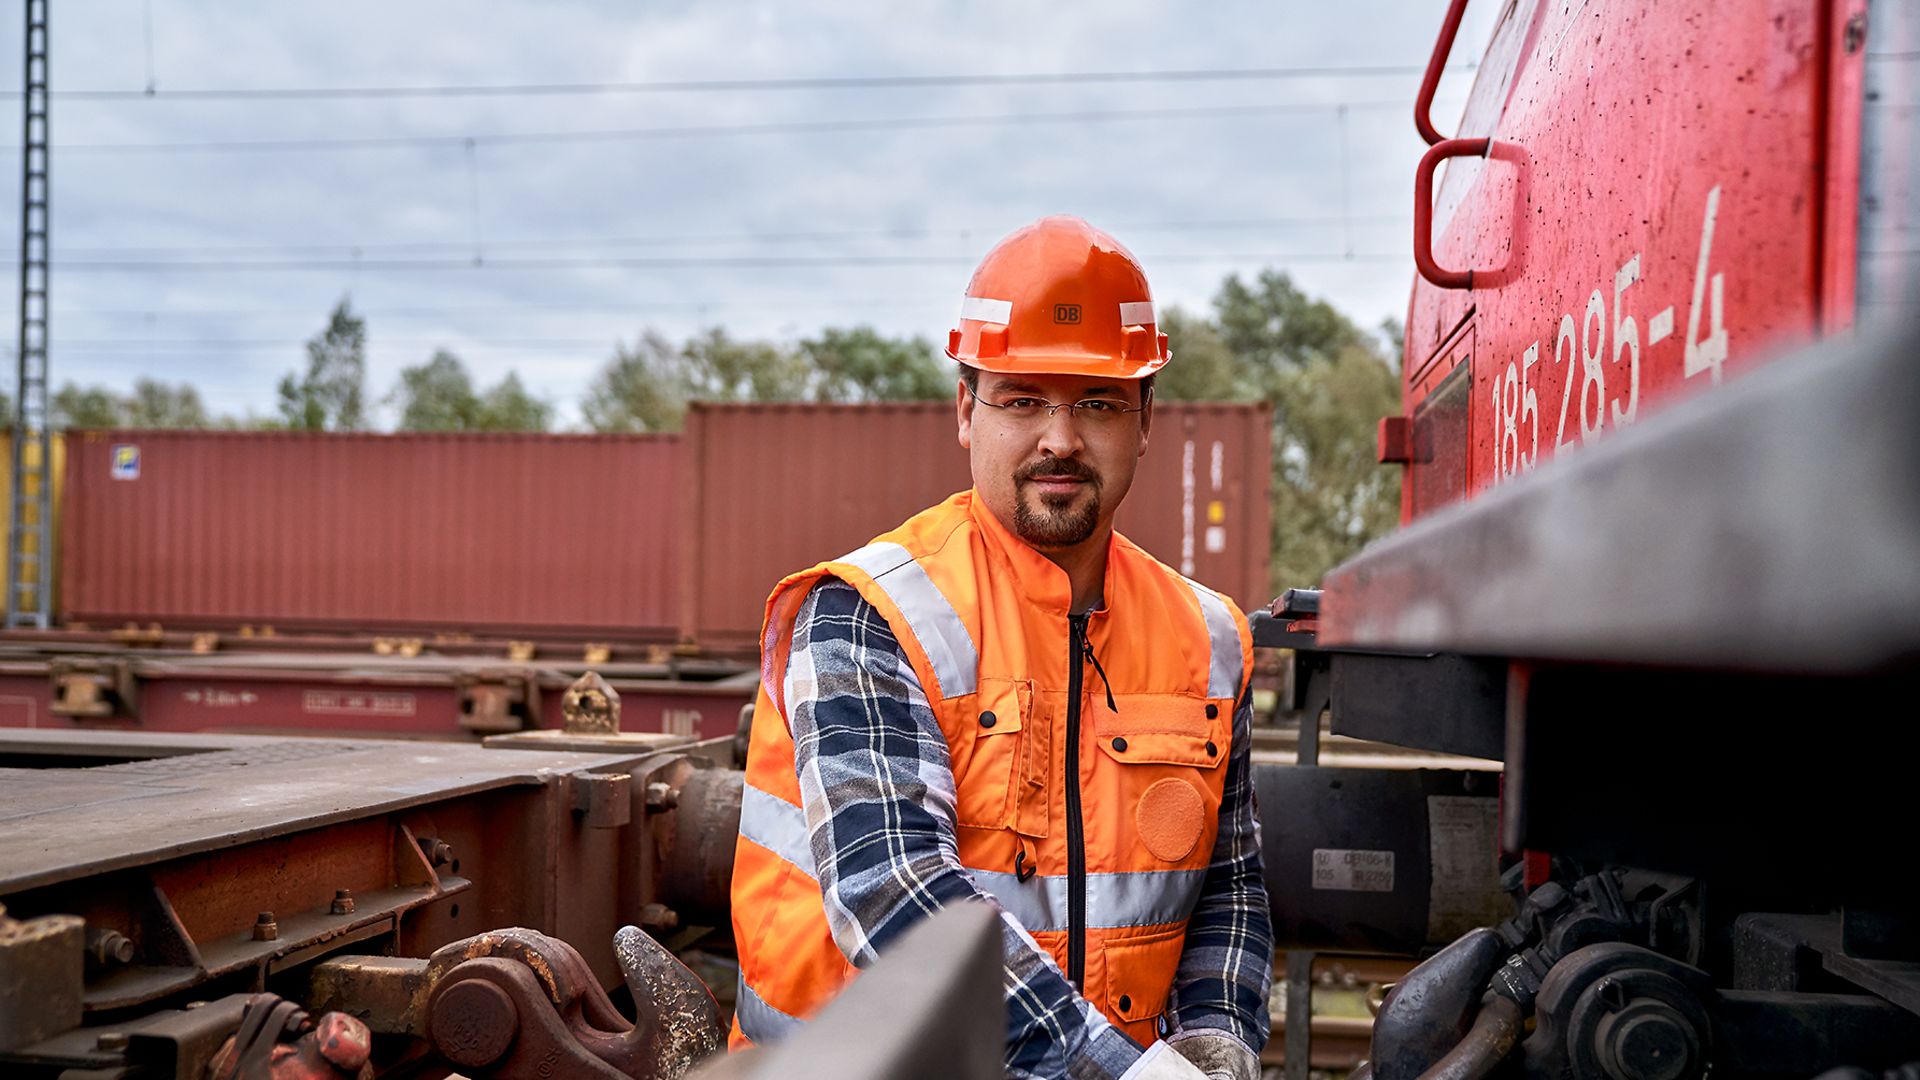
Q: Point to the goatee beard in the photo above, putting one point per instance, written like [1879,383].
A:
[1056,523]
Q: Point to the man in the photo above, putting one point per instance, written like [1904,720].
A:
[1004,699]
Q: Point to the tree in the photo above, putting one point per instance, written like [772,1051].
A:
[1271,326]
[156,404]
[1202,368]
[330,396]
[436,396]
[640,389]
[1330,494]
[862,365]
[718,368]
[509,407]
[1330,384]
[88,407]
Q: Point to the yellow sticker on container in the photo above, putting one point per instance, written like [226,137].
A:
[1216,512]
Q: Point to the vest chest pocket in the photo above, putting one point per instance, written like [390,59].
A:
[1004,747]
[1164,730]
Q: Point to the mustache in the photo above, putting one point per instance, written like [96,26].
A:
[1070,468]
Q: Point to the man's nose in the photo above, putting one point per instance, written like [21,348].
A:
[1059,434]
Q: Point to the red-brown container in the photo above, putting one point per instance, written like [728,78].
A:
[777,488]
[546,534]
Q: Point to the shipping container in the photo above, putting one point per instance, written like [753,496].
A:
[58,469]
[542,534]
[641,538]
[777,488]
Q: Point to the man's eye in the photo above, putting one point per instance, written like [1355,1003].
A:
[1022,404]
[1098,405]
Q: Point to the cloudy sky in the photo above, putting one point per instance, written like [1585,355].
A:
[201,235]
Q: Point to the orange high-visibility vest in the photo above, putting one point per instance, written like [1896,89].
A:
[1092,827]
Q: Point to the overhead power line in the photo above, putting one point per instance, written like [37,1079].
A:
[348,249]
[738,262]
[682,86]
[782,127]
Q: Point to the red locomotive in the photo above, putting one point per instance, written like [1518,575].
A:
[1674,244]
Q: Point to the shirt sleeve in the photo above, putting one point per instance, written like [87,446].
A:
[1222,982]
[877,786]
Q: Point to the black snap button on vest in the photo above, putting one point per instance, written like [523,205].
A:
[1213,711]
[1212,749]
[1125,1003]
[987,719]
[1120,745]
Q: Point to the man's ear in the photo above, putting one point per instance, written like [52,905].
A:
[1146,419]
[963,411]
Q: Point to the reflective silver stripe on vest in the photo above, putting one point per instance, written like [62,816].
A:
[1223,670]
[760,1021]
[1141,898]
[777,825]
[935,624]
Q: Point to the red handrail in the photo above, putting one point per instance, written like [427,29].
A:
[1423,210]
[1442,49]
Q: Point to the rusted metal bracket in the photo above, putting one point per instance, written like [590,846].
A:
[93,687]
[592,706]
[515,1003]
[496,700]
[41,970]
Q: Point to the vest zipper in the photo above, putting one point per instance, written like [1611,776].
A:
[1076,839]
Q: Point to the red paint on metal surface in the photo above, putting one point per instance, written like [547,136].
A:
[1846,53]
[1665,203]
[776,488]
[511,532]
[350,696]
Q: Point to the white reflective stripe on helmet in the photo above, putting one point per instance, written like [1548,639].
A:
[1136,313]
[1223,637]
[760,1021]
[931,617]
[981,309]
[1115,900]
[777,825]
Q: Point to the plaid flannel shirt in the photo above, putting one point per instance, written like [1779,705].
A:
[878,790]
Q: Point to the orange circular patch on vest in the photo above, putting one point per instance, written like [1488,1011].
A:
[1171,816]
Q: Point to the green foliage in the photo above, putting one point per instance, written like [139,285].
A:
[863,365]
[1330,496]
[1203,368]
[437,395]
[509,407]
[330,396]
[647,387]
[640,389]
[155,404]
[1271,326]
[88,407]
[152,404]
[716,367]
[1330,384]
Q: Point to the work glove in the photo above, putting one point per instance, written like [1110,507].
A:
[1218,1057]
[1161,1062]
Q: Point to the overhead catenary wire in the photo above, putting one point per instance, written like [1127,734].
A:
[354,249]
[776,127]
[776,84]
[737,262]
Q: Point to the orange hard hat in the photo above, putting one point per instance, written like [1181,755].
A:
[1059,297]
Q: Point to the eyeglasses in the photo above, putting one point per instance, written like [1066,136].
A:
[1026,409]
